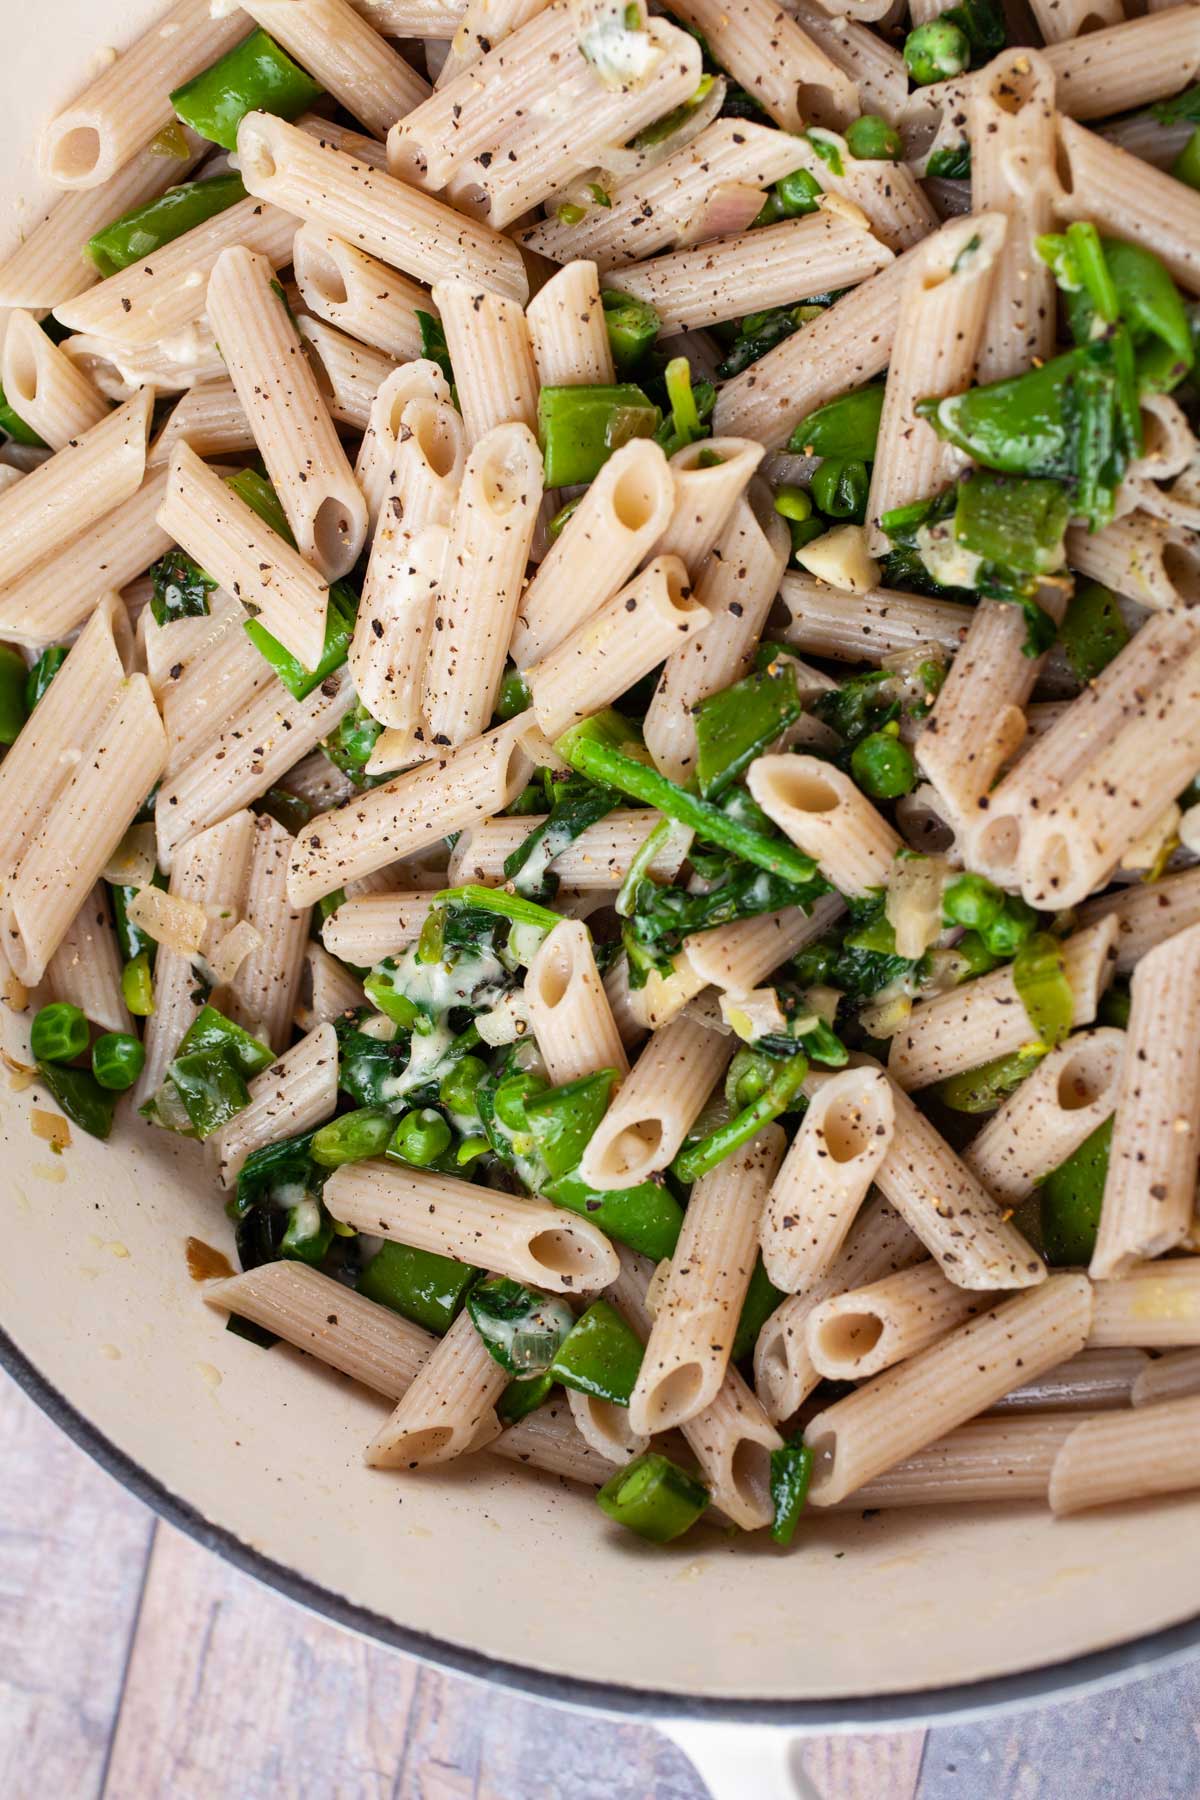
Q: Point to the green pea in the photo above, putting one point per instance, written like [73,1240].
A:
[748,1075]
[514,694]
[352,1137]
[974,951]
[839,488]
[936,51]
[793,503]
[798,193]
[457,1090]
[59,1034]
[1186,167]
[973,901]
[137,985]
[118,1059]
[420,1138]
[1005,935]
[882,766]
[805,530]
[872,139]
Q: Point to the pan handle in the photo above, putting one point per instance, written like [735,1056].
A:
[743,1762]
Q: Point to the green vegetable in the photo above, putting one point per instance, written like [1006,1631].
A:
[277,1209]
[1186,167]
[1039,975]
[690,408]
[433,343]
[209,1088]
[420,1138]
[848,427]
[138,234]
[654,1498]
[180,588]
[14,677]
[1012,522]
[59,1033]
[983,1089]
[562,1120]
[791,1472]
[882,766]
[42,674]
[632,326]
[520,1398]
[352,1137]
[580,427]
[601,1355]
[117,1060]
[350,745]
[798,194]
[951,163]
[577,805]
[973,901]
[504,905]
[872,139]
[514,697]
[601,762]
[736,725]
[426,1288]
[839,487]
[781,1093]
[255,76]
[1105,280]
[522,1330]
[1092,631]
[137,985]
[762,1297]
[760,332]
[647,1217]
[339,631]
[211,1030]
[1004,936]
[936,51]
[458,1089]
[793,504]
[1069,1200]
[80,1097]
[660,129]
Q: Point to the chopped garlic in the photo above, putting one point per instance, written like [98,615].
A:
[233,950]
[913,907]
[133,862]
[754,1015]
[841,558]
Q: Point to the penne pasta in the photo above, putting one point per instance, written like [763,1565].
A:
[825,815]
[449,1408]
[346,55]
[1105,1460]
[358,294]
[569,1010]
[489,345]
[292,1096]
[855,1335]
[53,397]
[650,1116]
[1056,1108]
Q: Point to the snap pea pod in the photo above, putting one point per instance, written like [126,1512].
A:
[522,1330]
[209,1088]
[762,1297]
[847,427]
[1069,1201]
[601,762]
[211,1030]
[839,487]
[1039,976]
[1092,631]
[79,1095]
[778,1096]
[983,1089]
[421,1138]
[653,1497]
[520,1398]
[426,1288]
[791,1472]
[353,1137]
[648,1217]
[14,677]
[691,409]
[138,234]
[562,1120]
[131,939]
[632,327]
[506,905]
[601,1355]
[1016,522]
[42,674]
[740,722]
[580,427]
[255,76]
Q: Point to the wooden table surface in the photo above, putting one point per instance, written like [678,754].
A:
[134,1665]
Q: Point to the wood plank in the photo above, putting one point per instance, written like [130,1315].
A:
[73,1549]
[864,1768]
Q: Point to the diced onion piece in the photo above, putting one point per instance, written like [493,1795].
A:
[841,558]
[729,208]
[176,924]
[887,1012]
[913,907]
[754,1015]
[233,950]
[51,1127]
[133,862]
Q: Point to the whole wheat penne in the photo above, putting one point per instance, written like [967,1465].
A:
[828,817]
[165,294]
[707,489]
[628,637]
[246,759]
[900,1412]
[481,26]
[118,114]
[732,1440]
[369,927]
[1150,1189]
[605,1427]
[985,1018]
[687,1353]
[210,418]
[292,427]
[872,64]
[1149,1305]
[825,1177]
[349,374]
[449,1409]
[486,556]
[855,1335]
[447,794]
[548,1439]
[649,1117]
[527,1239]
[567,329]
[1146,913]
[701,286]
[327,990]
[598,858]
[1174,1376]
[85,970]
[618,522]
[218,678]
[987,1460]
[1153,1451]
[940,325]
[879,1243]
[373,470]
[1148,559]
[764,49]
[1129,198]
[867,627]
[292,1096]
[407,229]
[568,1007]
[52,396]
[737,584]
[358,294]
[1067,1097]
[266,987]
[1011,127]
[1125,65]
[344,53]
[1093,1381]
[491,353]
